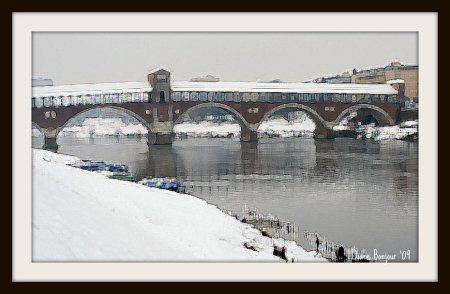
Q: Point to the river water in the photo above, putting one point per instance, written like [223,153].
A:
[358,192]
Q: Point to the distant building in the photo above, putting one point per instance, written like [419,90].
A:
[41,82]
[207,78]
[343,78]
[394,71]
[271,81]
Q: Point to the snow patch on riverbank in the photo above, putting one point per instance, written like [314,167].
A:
[104,127]
[208,129]
[398,132]
[280,127]
[84,216]
[275,127]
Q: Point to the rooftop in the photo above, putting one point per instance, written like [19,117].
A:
[130,87]
[91,89]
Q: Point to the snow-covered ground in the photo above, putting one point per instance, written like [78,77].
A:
[302,126]
[274,127]
[208,129]
[116,127]
[370,131]
[104,127]
[278,126]
[85,216]
[389,133]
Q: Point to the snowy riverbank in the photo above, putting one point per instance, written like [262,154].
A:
[208,129]
[85,216]
[275,127]
[280,127]
[104,127]
[398,132]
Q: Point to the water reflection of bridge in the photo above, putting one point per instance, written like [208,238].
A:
[229,168]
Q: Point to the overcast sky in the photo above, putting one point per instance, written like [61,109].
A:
[69,58]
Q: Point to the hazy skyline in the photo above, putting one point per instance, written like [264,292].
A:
[70,58]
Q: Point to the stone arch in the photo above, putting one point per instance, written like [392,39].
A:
[318,120]
[381,116]
[248,131]
[119,108]
[239,118]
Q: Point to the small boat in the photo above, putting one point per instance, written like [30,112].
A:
[111,170]
[117,168]
[123,176]
[170,184]
[90,165]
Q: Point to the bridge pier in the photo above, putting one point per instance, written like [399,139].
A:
[323,132]
[160,138]
[50,143]
[248,135]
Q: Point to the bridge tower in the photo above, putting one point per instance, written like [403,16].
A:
[161,132]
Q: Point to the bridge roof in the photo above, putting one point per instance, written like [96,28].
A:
[284,87]
[91,89]
[129,87]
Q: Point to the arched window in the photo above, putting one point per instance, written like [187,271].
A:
[203,96]
[48,101]
[57,101]
[185,96]
[97,99]
[162,97]
[39,102]
[229,96]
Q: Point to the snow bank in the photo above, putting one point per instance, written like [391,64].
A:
[84,216]
[370,131]
[387,133]
[303,126]
[208,129]
[104,127]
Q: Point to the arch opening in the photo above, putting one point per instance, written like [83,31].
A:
[365,114]
[104,121]
[210,120]
[369,120]
[291,120]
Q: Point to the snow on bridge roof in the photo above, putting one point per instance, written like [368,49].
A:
[91,89]
[284,87]
[127,87]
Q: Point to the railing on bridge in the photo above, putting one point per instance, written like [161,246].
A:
[281,97]
[410,105]
[73,100]
[142,97]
